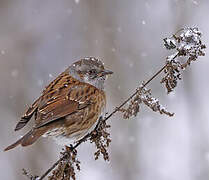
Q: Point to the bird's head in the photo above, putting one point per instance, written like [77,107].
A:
[90,70]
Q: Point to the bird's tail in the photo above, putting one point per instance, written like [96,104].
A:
[29,138]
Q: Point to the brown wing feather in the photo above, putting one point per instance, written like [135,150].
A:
[55,110]
[27,116]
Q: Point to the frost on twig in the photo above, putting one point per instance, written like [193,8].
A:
[188,47]
[143,96]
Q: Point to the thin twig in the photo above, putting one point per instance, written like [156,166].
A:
[51,168]
[110,115]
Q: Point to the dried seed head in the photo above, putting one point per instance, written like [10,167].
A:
[187,43]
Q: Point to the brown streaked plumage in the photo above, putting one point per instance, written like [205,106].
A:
[69,106]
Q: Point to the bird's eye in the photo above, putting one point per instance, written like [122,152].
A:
[92,71]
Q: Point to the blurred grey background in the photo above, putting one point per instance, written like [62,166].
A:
[40,38]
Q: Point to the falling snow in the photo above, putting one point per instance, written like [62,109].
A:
[195,2]
[51,76]
[143,54]
[113,49]
[96,41]
[77,1]
[119,29]
[132,139]
[14,73]
[2,52]
[131,64]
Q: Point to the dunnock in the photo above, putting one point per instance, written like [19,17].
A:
[69,106]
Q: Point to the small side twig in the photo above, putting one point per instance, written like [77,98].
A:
[29,176]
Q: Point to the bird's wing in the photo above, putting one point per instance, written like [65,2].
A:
[63,78]
[62,102]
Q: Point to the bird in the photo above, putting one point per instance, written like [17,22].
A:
[69,107]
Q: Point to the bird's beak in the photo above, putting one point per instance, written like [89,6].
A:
[106,72]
